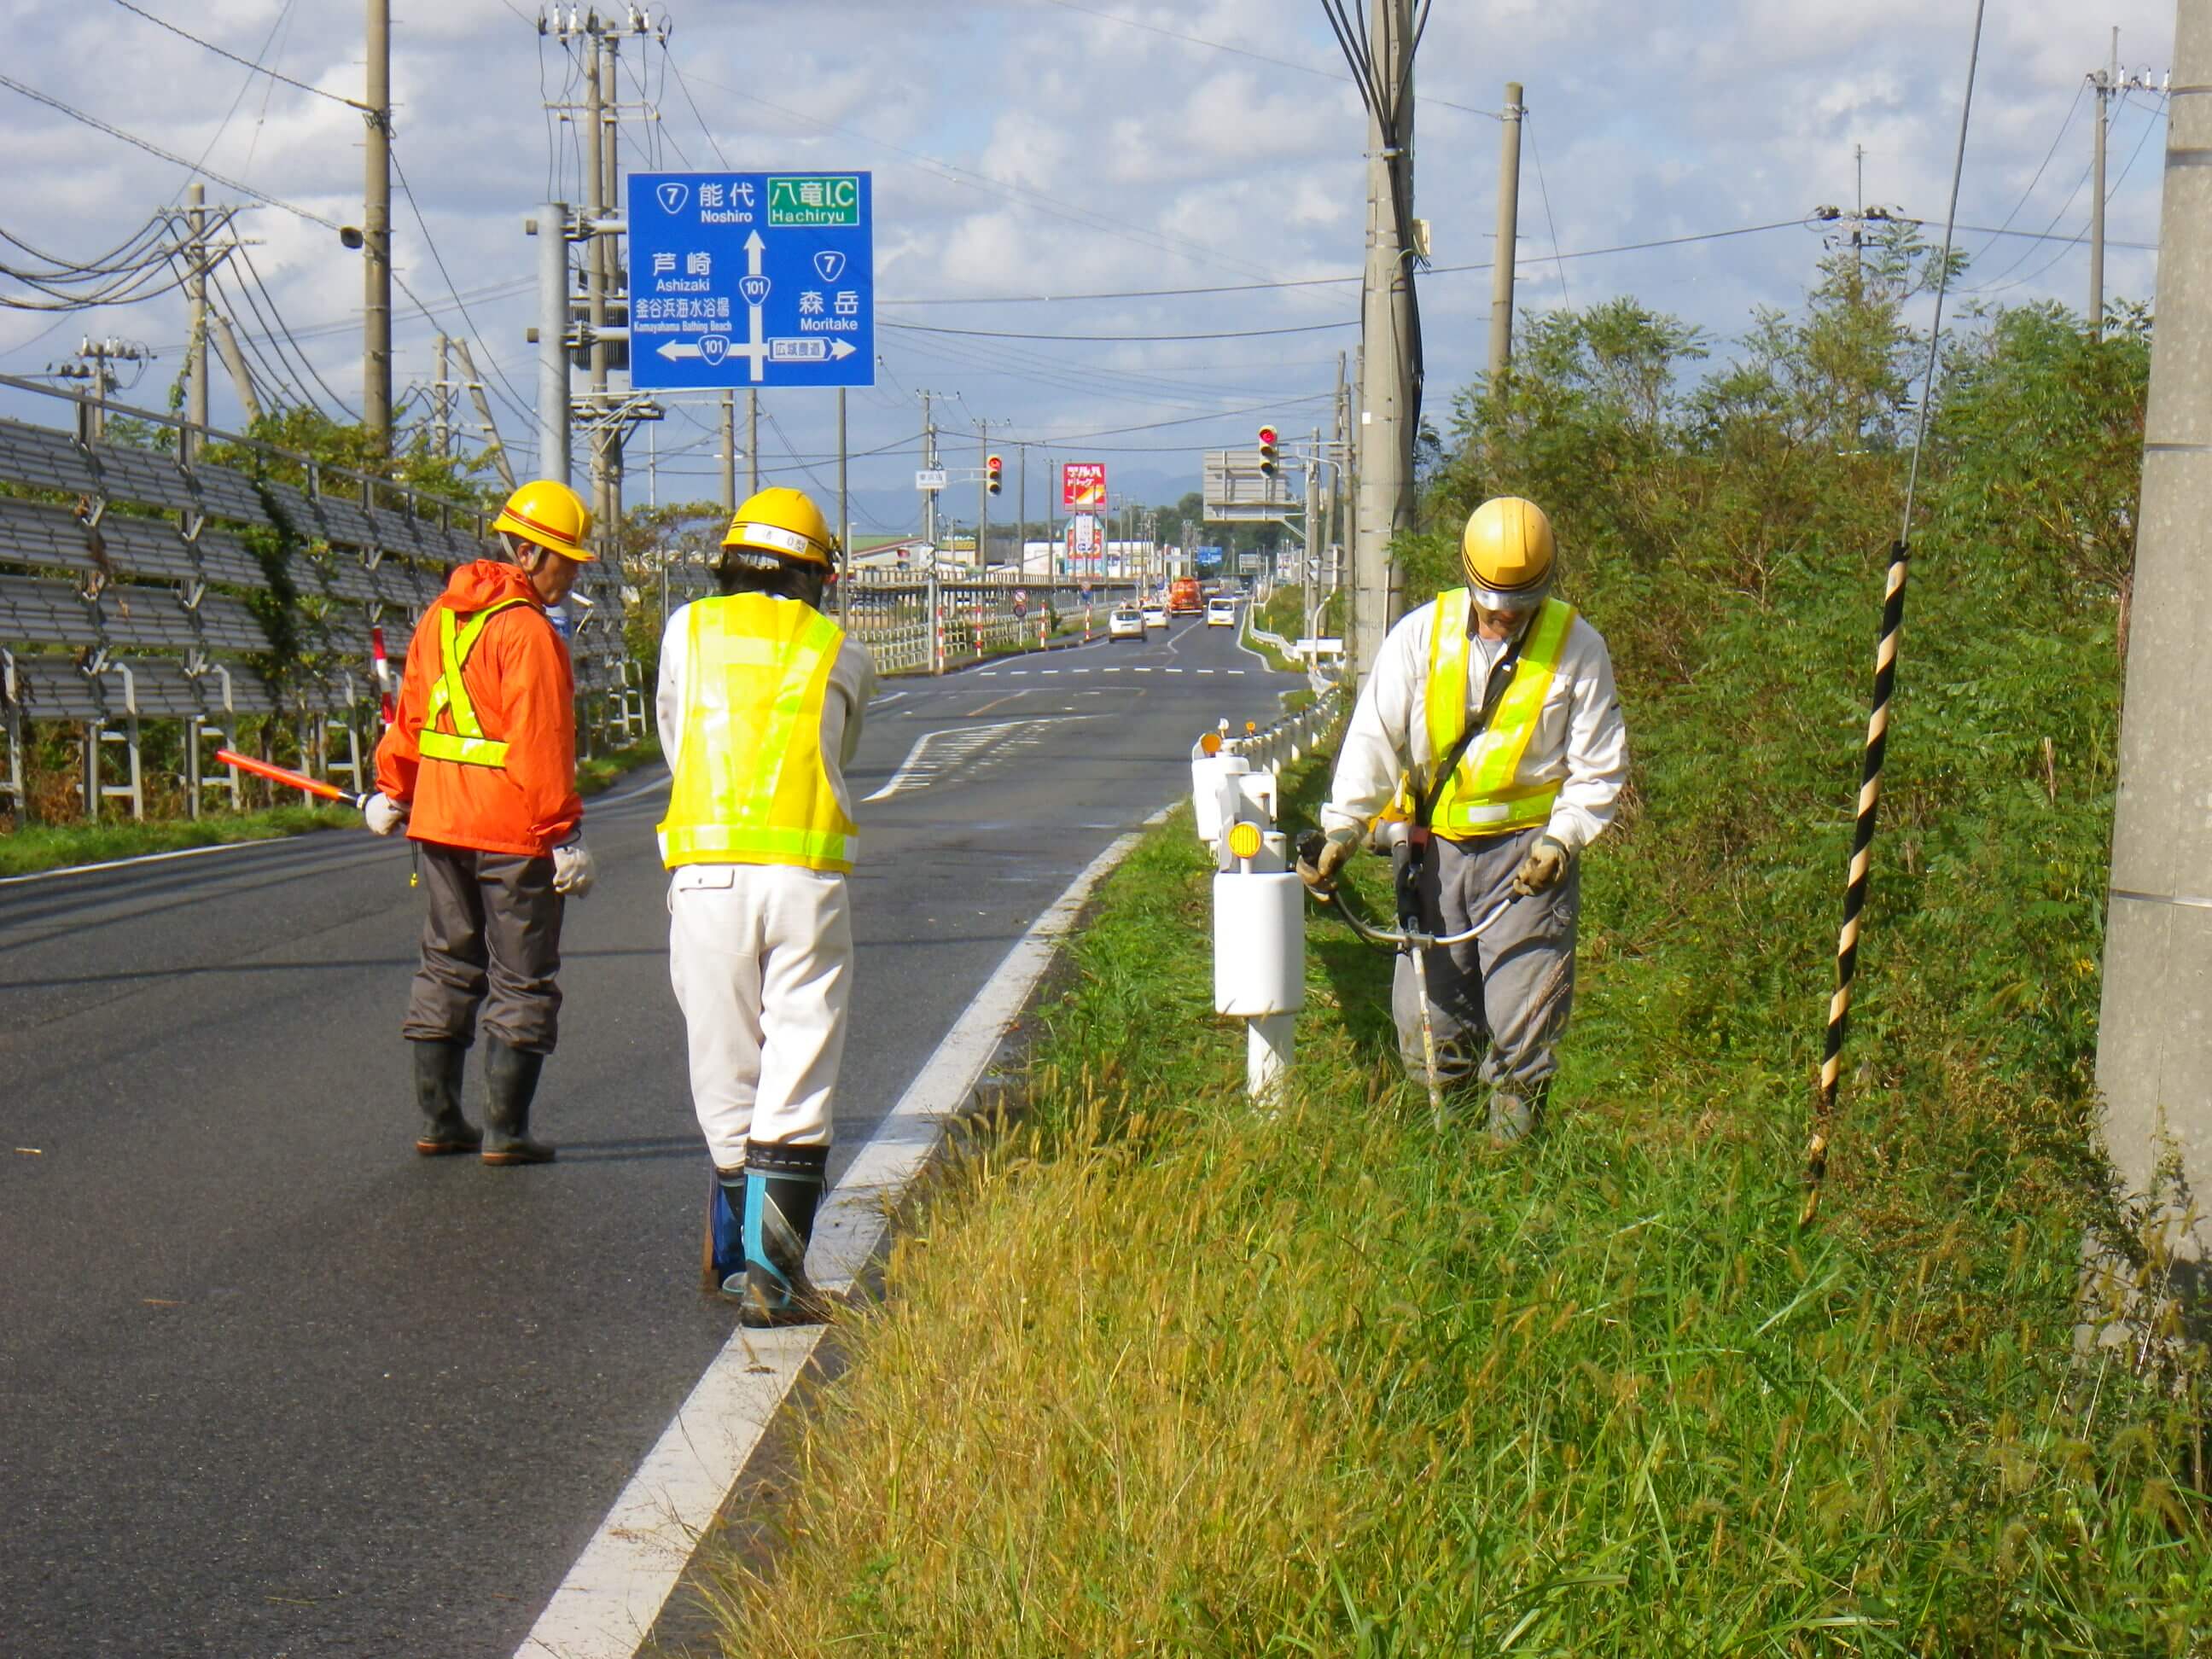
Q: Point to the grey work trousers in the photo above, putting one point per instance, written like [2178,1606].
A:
[1498,1005]
[491,938]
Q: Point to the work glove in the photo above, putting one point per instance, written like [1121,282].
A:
[573,869]
[1544,868]
[1319,867]
[383,815]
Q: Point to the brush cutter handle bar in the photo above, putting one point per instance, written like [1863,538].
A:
[1407,939]
[291,779]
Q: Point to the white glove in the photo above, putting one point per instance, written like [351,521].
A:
[1544,868]
[573,869]
[384,815]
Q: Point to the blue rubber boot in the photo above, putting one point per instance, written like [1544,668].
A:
[722,1255]
[783,1189]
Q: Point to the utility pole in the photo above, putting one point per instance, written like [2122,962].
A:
[2154,1043]
[1509,237]
[550,227]
[1340,527]
[1022,535]
[611,249]
[195,370]
[484,418]
[752,442]
[729,451]
[1312,572]
[441,405]
[2109,83]
[928,462]
[982,494]
[595,269]
[233,360]
[376,234]
[1386,391]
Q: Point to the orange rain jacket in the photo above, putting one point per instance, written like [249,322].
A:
[518,677]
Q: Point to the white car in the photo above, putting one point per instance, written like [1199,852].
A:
[1125,623]
[1221,613]
[1155,614]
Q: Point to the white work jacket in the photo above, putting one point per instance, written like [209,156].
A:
[1580,741]
[851,683]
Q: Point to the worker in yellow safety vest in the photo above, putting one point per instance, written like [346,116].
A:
[1488,742]
[760,702]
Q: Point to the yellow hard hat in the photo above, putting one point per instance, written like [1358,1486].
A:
[785,522]
[1507,551]
[550,514]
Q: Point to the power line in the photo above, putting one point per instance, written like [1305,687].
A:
[429,241]
[1223,334]
[247,62]
[1550,224]
[171,156]
[2058,138]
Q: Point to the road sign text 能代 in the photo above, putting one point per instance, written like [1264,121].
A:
[754,279]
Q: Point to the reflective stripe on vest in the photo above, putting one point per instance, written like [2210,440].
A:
[1485,795]
[751,784]
[466,744]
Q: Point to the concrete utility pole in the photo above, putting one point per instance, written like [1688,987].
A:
[595,273]
[233,360]
[550,227]
[2109,83]
[752,442]
[2154,1039]
[928,461]
[1312,572]
[1386,390]
[982,494]
[1022,535]
[195,383]
[484,417]
[376,234]
[441,391]
[1509,236]
[729,451]
[610,277]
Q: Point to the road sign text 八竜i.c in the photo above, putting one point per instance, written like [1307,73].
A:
[751,279]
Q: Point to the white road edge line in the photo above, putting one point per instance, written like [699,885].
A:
[144,858]
[606,1606]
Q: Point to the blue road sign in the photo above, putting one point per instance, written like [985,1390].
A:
[751,279]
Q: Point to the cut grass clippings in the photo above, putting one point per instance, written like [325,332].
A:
[39,847]
[1158,1373]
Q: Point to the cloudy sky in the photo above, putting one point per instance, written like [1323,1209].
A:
[1051,147]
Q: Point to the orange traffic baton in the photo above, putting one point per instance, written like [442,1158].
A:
[291,779]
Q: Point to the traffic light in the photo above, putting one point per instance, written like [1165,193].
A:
[993,472]
[1267,456]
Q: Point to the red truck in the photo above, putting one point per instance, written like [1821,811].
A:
[1183,596]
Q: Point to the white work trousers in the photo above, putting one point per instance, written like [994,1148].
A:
[761,956]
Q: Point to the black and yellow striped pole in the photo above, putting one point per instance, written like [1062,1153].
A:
[1855,888]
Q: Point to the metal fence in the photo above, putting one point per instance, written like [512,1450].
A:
[143,583]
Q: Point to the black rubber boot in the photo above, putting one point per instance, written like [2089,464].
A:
[438,1070]
[510,1083]
[722,1252]
[783,1189]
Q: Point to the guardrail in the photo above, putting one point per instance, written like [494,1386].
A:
[1292,736]
[145,582]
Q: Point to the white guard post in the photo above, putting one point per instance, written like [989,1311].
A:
[1259,909]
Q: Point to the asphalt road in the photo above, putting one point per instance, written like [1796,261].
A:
[272,1385]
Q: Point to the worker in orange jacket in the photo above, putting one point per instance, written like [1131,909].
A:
[479,764]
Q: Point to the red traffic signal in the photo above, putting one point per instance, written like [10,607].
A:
[1267,453]
[993,472]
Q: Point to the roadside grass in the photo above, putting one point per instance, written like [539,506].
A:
[1161,1373]
[33,847]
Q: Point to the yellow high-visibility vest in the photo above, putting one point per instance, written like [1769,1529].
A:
[751,784]
[1485,795]
[466,744]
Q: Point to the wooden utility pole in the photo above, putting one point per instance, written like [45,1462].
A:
[376,234]
[1509,237]
[2154,1042]
[1387,321]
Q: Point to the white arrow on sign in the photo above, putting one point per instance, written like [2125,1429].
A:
[807,349]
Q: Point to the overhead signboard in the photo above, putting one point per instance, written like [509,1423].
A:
[929,477]
[751,279]
[1083,486]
